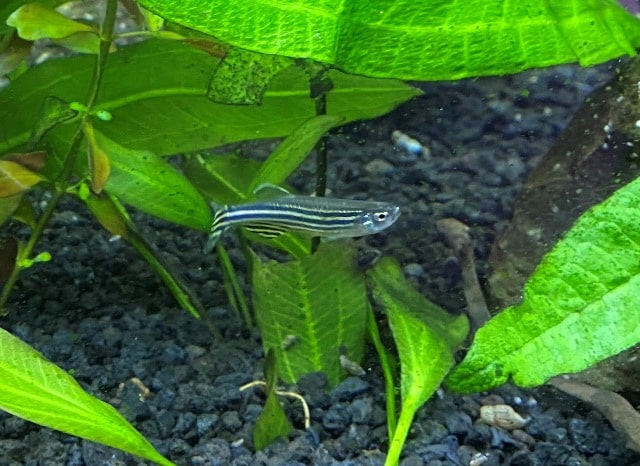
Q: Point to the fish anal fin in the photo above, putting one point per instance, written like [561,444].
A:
[266,230]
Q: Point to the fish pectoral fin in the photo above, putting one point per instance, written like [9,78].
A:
[265,230]
[269,191]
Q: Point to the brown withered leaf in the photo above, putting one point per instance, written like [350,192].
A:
[597,154]
[34,161]
[618,411]
[592,158]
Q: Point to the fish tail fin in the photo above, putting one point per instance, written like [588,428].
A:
[216,230]
[212,241]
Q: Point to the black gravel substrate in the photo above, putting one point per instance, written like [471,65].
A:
[99,311]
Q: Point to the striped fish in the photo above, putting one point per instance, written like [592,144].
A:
[315,216]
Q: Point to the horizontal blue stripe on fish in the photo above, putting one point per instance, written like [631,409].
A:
[317,216]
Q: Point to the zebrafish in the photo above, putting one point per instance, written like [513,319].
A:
[316,216]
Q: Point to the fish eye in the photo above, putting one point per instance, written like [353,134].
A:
[380,216]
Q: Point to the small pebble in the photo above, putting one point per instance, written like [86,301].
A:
[413,270]
[379,167]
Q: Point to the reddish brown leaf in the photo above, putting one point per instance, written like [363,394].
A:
[34,161]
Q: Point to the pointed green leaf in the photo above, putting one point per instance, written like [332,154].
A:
[225,179]
[156,94]
[272,422]
[580,306]
[292,151]
[320,301]
[426,337]
[37,21]
[419,39]
[147,182]
[35,389]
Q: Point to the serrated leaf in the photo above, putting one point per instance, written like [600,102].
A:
[148,183]
[35,389]
[156,93]
[580,306]
[321,300]
[15,179]
[426,337]
[292,151]
[419,39]
[242,76]
[36,21]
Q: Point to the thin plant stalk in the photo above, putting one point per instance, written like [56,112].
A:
[61,184]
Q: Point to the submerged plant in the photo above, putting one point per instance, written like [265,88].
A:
[103,126]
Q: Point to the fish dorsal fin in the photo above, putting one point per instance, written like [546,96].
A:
[268,192]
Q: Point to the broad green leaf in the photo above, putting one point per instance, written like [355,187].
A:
[225,179]
[148,183]
[419,39]
[242,76]
[580,306]
[272,422]
[36,21]
[426,337]
[319,301]
[15,179]
[156,93]
[37,390]
[292,151]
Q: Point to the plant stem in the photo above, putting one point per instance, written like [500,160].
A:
[400,435]
[62,180]
[320,85]
[387,370]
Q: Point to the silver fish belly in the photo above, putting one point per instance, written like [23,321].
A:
[316,216]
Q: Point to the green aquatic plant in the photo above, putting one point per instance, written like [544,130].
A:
[104,121]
